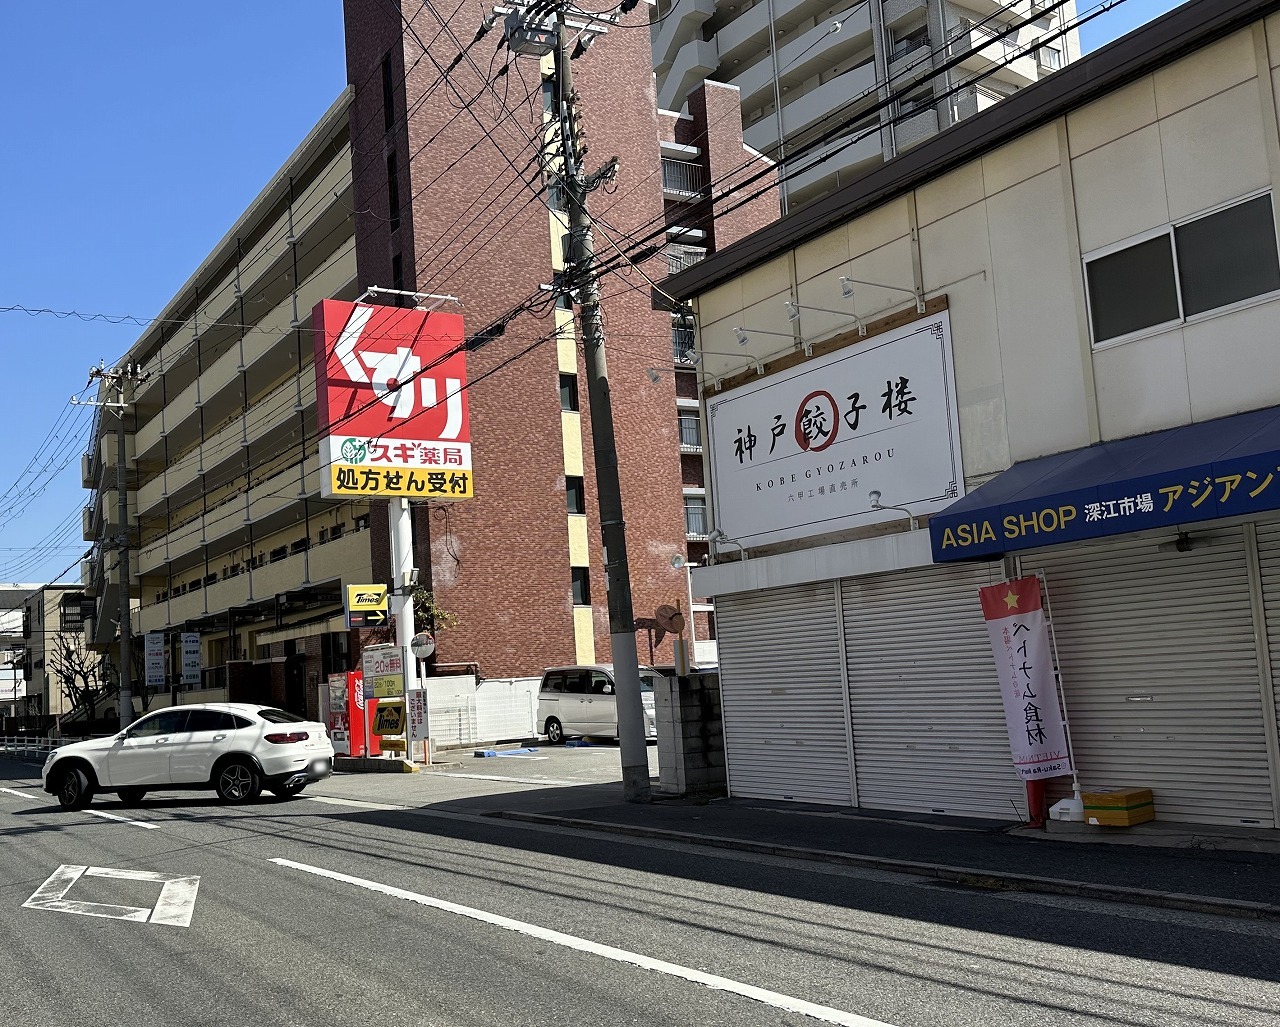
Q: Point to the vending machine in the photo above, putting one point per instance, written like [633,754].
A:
[349,716]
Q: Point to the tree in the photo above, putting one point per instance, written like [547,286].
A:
[78,672]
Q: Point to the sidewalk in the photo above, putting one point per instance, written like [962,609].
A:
[979,853]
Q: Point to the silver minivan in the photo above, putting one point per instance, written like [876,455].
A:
[581,700]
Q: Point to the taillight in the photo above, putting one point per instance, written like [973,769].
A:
[292,736]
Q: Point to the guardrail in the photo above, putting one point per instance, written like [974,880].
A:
[29,748]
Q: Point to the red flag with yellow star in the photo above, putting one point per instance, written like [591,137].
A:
[1024,666]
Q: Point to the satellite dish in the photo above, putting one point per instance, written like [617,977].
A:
[669,619]
[422,646]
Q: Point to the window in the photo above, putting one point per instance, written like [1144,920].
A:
[581,587]
[393,192]
[210,579]
[300,545]
[1049,57]
[337,530]
[388,94]
[575,494]
[568,392]
[166,722]
[577,682]
[70,614]
[695,516]
[210,720]
[1203,264]
[600,684]
[279,553]
[553,682]
[362,522]
[690,434]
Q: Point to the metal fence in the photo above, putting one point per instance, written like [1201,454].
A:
[682,177]
[31,748]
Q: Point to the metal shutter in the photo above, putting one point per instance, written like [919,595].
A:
[1160,673]
[1269,566]
[783,696]
[928,723]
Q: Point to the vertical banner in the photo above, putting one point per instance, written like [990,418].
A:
[155,659]
[191,661]
[1024,665]
[418,719]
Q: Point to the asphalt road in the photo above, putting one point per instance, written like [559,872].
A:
[348,908]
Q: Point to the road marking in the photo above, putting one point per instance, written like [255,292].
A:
[175,906]
[826,1014]
[513,780]
[334,800]
[20,795]
[123,820]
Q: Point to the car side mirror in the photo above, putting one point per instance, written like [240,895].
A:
[121,736]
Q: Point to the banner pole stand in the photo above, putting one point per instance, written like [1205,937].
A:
[1075,809]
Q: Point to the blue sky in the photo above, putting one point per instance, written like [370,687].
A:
[137,131]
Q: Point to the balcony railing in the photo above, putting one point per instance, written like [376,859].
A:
[690,435]
[680,256]
[695,522]
[681,344]
[682,177]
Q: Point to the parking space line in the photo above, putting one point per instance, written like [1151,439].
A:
[826,1014]
[20,795]
[124,820]
[511,780]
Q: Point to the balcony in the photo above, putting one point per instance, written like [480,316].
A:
[680,256]
[915,127]
[695,522]
[690,435]
[681,345]
[682,179]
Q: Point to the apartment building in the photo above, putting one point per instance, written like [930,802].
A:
[48,615]
[227,533]
[878,76]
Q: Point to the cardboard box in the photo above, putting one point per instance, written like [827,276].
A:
[1118,807]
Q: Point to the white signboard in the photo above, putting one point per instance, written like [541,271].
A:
[191,662]
[417,728]
[1024,667]
[799,452]
[155,659]
[383,667]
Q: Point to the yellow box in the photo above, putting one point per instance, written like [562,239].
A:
[1119,807]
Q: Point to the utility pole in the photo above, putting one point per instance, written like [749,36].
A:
[622,630]
[121,378]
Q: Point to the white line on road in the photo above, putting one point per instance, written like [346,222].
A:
[20,795]
[511,780]
[772,998]
[124,820]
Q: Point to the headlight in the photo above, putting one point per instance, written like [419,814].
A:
[50,758]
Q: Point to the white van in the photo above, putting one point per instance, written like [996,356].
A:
[581,700]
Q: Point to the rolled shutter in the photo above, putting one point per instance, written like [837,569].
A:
[1160,673]
[928,723]
[783,695]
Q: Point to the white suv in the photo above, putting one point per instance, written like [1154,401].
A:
[234,748]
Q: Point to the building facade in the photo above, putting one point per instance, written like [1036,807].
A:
[53,647]
[1066,369]
[892,72]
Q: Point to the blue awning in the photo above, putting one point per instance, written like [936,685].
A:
[1199,472]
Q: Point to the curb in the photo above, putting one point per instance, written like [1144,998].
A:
[991,880]
[372,765]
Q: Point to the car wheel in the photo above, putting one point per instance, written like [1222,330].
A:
[288,791]
[555,731]
[74,790]
[238,781]
[131,796]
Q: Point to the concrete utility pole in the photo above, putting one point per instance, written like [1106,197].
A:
[121,378]
[622,630]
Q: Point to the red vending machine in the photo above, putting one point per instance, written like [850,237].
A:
[349,717]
